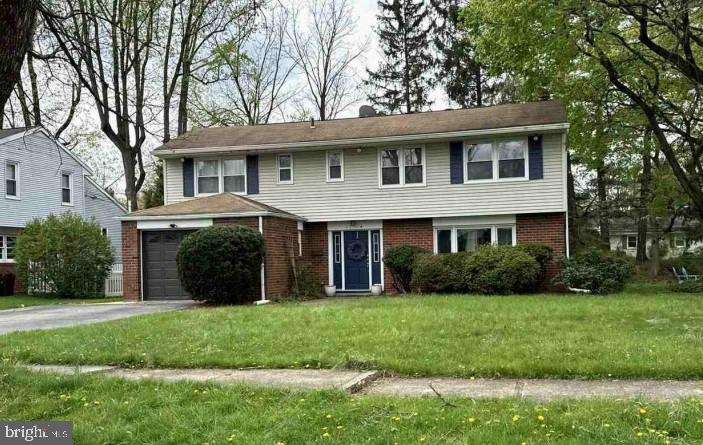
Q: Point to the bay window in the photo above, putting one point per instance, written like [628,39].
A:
[494,161]
[402,166]
[468,239]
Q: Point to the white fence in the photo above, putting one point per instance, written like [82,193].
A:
[113,284]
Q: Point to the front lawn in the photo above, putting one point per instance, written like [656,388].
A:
[17,301]
[624,336]
[106,410]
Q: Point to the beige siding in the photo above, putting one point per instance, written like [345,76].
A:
[173,181]
[359,196]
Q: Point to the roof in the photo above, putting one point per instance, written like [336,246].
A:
[4,133]
[215,206]
[253,137]
[628,225]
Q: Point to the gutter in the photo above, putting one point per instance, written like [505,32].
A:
[179,152]
[208,216]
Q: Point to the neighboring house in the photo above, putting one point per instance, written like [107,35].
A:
[40,177]
[623,236]
[337,194]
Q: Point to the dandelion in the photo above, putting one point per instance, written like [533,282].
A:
[329,416]
[472,420]
[422,439]
[639,434]
[540,418]
[516,418]
[339,427]
[643,411]
[326,435]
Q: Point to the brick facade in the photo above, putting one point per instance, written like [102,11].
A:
[131,262]
[316,251]
[9,268]
[546,228]
[415,232]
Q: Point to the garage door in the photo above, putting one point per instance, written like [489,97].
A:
[160,268]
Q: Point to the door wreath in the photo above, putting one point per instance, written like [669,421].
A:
[356,250]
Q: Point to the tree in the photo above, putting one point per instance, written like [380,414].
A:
[153,193]
[324,50]
[403,80]
[17,21]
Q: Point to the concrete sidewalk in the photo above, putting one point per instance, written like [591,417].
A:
[371,383]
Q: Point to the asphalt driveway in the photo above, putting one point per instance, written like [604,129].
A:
[50,317]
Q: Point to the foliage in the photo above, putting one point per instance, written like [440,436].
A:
[221,264]
[402,82]
[400,261]
[303,285]
[153,193]
[23,300]
[440,273]
[690,286]
[63,255]
[597,271]
[542,253]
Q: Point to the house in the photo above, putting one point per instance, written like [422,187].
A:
[337,194]
[678,239]
[40,177]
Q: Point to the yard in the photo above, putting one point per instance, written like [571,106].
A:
[637,334]
[120,412]
[19,301]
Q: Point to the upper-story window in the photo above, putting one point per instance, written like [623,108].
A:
[402,166]
[228,175]
[67,188]
[497,160]
[234,173]
[468,239]
[7,248]
[335,166]
[285,169]
[12,176]
[208,176]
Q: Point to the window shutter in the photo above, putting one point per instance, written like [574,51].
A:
[252,174]
[188,178]
[535,155]
[456,162]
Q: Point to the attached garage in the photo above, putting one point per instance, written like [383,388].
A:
[159,251]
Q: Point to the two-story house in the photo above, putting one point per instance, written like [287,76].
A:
[39,177]
[339,193]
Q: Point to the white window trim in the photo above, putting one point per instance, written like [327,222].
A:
[454,240]
[676,240]
[17,196]
[71,188]
[627,242]
[3,249]
[401,166]
[495,161]
[278,168]
[106,231]
[327,163]
[220,176]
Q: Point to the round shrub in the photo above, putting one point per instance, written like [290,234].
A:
[400,260]
[596,271]
[543,254]
[221,264]
[65,255]
[441,273]
[500,270]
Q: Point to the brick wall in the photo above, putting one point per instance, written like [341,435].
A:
[251,222]
[131,273]
[546,228]
[315,251]
[6,268]
[415,232]
[281,241]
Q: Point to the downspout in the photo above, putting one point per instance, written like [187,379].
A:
[263,299]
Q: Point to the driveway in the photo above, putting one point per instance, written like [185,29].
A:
[50,317]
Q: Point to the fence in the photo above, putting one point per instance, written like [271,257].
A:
[113,284]
[39,284]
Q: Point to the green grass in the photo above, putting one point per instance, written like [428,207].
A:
[625,336]
[18,301]
[106,410]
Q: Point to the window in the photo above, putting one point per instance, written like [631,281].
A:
[511,159]
[234,173]
[631,241]
[12,174]
[376,247]
[67,188]
[497,160]
[285,169]
[468,239]
[680,242]
[402,166]
[7,248]
[337,248]
[104,231]
[479,162]
[335,166]
[208,177]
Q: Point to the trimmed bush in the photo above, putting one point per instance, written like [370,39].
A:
[543,254]
[596,271]
[501,270]
[221,264]
[65,255]
[440,273]
[400,260]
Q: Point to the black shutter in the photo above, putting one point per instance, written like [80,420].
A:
[456,162]
[535,156]
[188,178]
[252,174]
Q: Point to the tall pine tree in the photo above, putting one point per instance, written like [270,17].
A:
[404,79]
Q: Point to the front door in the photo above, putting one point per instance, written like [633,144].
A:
[356,260]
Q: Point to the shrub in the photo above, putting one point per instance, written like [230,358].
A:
[501,270]
[400,261]
[690,286]
[221,264]
[543,254]
[303,285]
[64,255]
[440,273]
[596,271]
[7,284]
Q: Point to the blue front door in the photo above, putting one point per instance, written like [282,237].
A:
[356,260]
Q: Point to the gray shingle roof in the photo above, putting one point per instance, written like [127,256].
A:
[7,132]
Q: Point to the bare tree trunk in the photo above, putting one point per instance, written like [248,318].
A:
[645,185]
[36,106]
[603,210]
[17,20]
